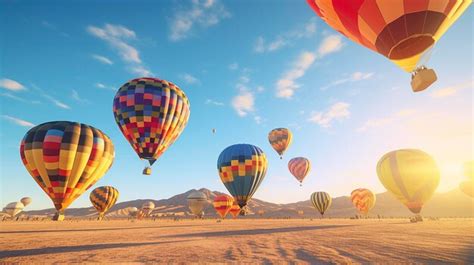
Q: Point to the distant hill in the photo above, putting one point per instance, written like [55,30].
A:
[450,204]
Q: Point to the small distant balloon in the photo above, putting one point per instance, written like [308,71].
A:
[213,131]
[26,201]
[321,201]
[147,208]
[222,204]
[13,208]
[363,200]
[103,198]
[299,168]
[234,210]
[280,139]
[197,200]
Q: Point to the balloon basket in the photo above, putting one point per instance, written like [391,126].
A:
[147,171]
[422,78]
[58,216]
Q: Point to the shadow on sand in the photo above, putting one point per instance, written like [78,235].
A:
[92,229]
[259,231]
[79,248]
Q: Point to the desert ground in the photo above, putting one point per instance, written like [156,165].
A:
[236,241]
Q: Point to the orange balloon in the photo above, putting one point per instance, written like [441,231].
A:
[222,204]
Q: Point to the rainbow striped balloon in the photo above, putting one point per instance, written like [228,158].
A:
[280,140]
[299,168]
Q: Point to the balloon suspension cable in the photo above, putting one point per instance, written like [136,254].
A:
[425,57]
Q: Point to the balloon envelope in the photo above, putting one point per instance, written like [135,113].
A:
[26,201]
[321,201]
[197,200]
[151,113]
[222,204]
[467,187]
[147,208]
[280,139]
[409,174]
[363,200]
[103,198]
[14,208]
[65,159]
[242,168]
[299,167]
[469,169]
[234,210]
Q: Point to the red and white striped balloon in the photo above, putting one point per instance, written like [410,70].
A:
[299,168]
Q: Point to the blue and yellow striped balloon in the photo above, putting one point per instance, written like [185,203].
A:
[103,198]
[242,168]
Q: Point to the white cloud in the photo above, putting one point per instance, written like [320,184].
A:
[18,121]
[189,79]
[330,44]
[260,89]
[11,84]
[56,102]
[384,121]
[257,119]
[354,77]
[287,38]
[213,102]
[451,90]
[76,97]
[8,95]
[118,37]
[286,85]
[53,27]
[233,66]
[100,85]
[102,59]
[200,14]
[243,103]
[338,111]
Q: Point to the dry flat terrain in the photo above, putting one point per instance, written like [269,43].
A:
[260,240]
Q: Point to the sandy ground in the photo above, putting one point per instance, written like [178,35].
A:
[236,241]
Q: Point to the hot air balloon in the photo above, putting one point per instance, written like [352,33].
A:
[147,208]
[469,169]
[261,213]
[213,130]
[65,159]
[103,198]
[151,113]
[300,212]
[280,140]
[299,168]
[242,168]
[234,210]
[197,200]
[133,212]
[222,204]
[13,208]
[467,187]
[409,174]
[402,31]
[321,201]
[363,200]
[26,201]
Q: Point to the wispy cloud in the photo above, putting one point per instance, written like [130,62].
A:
[338,111]
[354,77]
[244,102]
[201,14]
[118,37]
[75,95]
[20,99]
[330,44]
[53,27]
[233,66]
[189,79]
[18,121]
[11,85]
[451,90]
[102,59]
[287,85]
[287,38]
[384,121]
[53,100]
[102,86]
[213,102]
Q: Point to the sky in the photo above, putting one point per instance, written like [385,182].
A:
[247,67]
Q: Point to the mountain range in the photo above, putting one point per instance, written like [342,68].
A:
[449,204]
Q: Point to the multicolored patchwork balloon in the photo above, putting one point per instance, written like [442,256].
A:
[151,113]
[65,159]
[242,168]
[399,30]
[222,204]
[411,175]
[299,168]
[321,201]
[103,198]
[363,200]
[280,140]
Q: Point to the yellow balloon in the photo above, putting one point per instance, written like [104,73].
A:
[469,169]
[409,174]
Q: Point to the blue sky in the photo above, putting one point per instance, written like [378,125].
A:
[247,67]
